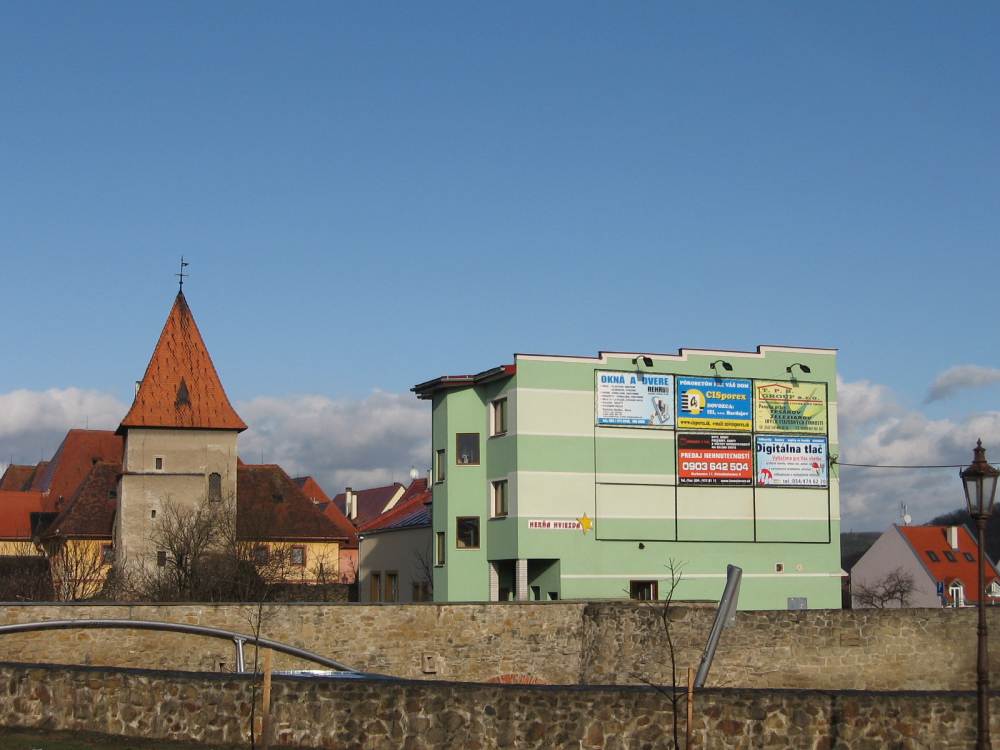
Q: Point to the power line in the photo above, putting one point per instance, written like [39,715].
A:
[898,466]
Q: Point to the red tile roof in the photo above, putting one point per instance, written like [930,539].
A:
[312,489]
[91,510]
[38,476]
[411,510]
[15,513]
[370,502]
[271,506]
[181,387]
[17,478]
[79,450]
[924,539]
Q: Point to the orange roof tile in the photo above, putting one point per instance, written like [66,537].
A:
[15,513]
[924,539]
[17,478]
[71,464]
[312,489]
[181,387]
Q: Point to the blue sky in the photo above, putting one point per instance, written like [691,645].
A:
[374,196]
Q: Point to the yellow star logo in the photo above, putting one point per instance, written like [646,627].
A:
[585,523]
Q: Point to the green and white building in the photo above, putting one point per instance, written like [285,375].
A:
[562,477]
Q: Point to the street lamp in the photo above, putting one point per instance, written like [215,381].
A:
[979,480]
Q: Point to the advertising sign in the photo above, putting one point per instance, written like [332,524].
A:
[634,399]
[791,461]
[713,459]
[782,406]
[714,403]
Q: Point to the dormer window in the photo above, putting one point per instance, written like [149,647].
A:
[957,594]
[932,556]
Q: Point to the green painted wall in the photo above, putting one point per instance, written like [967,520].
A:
[561,467]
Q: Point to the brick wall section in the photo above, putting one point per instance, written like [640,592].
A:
[421,715]
[559,642]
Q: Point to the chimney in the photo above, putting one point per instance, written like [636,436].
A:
[953,537]
[350,504]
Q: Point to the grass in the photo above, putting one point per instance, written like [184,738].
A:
[23,739]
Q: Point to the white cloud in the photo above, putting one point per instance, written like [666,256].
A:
[341,442]
[33,423]
[875,429]
[959,378]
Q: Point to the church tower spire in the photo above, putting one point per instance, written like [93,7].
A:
[181,387]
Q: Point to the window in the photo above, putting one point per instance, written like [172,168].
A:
[261,555]
[957,594]
[467,532]
[161,558]
[214,487]
[107,554]
[422,591]
[112,494]
[439,466]
[439,552]
[298,556]
[375,586]
[949,555]
[968,557]
[498,424]
[467,448]
[642,590]
[392,587]
[932,556]
[152,513]
[158,463]
[499,492]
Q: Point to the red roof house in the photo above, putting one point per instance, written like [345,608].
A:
[942,562]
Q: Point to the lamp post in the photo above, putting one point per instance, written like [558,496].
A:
[979,480]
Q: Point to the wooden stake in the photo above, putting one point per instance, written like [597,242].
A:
[690,707]
[265,702]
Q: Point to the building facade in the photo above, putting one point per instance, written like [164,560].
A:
[922,566]
[590,477]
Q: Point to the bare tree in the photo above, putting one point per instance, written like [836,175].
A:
[674,693]
[894,589]
[78,568]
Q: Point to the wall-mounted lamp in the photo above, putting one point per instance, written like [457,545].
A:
[648,361]
[804,368]
[642,546]
[725,366]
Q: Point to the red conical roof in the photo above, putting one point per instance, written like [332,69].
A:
[181,387]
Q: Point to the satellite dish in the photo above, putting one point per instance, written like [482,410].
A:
[907,519]
[413,472]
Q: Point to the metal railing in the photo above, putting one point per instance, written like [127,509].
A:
[238,639]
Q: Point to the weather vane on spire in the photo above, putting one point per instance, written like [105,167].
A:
[182,275]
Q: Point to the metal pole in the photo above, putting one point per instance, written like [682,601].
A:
[724,615]
[240,664]
[982,661]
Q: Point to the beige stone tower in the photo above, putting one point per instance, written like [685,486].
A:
[180,437]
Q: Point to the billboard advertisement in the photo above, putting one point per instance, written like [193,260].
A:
[634,399]
[714,459]
[714,403]
[791,461]
[782,406]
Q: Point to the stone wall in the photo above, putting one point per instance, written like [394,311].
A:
[557,642]
[372,714]
[889,649]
